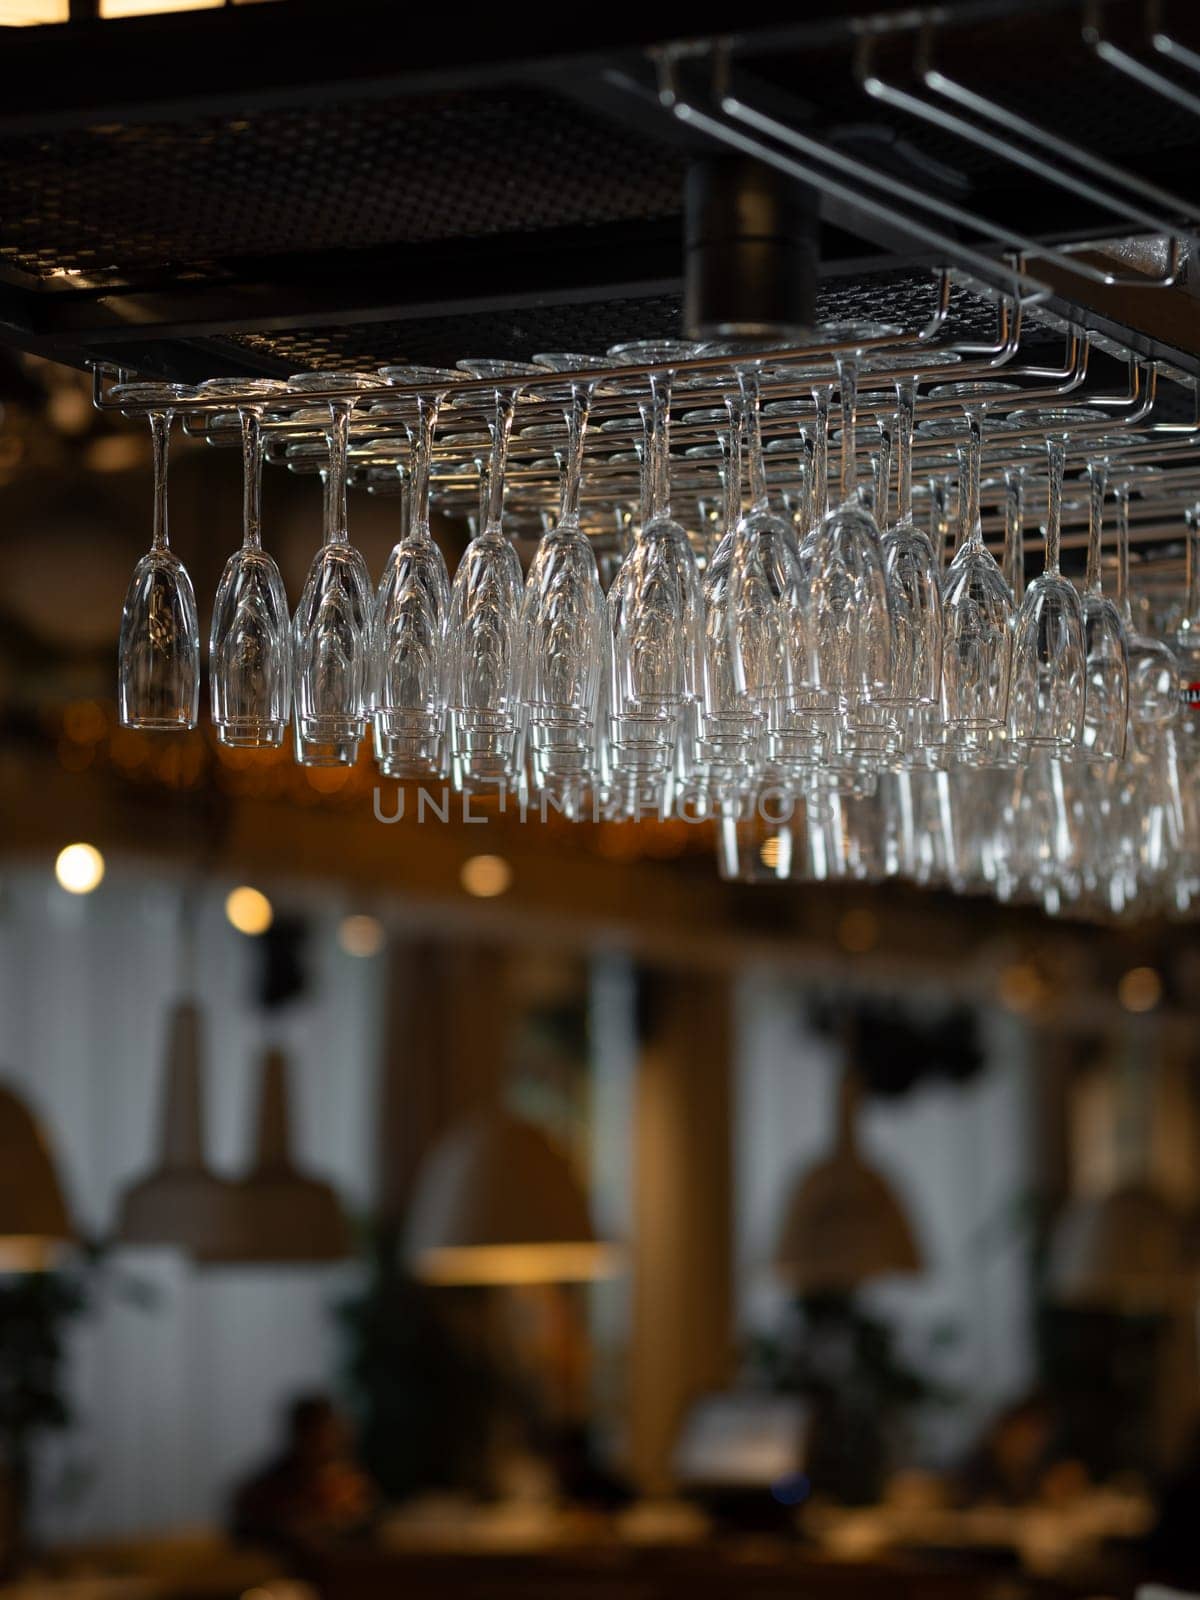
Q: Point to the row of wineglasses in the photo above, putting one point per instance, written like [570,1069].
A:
[806,651]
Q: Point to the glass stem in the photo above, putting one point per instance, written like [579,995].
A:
[1121,499]
[751,440]
[1097,482]
[160,428]
[1014,529]
[731,469]
[974,460]
[906,406]
[939,520]
[251,480]
[821,454]
[847,368]
[963,501]
[808,481]
[883,472]
[577,421]
[418,499]
[1056,455]
[481,467]
[336,531]
[501,428]
[660,446]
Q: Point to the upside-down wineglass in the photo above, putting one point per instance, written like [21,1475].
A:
[250,643]
[1106,684]
[1049,662]
[977,616]
[331,628]
[1154,671]
[412,604]
[484,637]
[158,659]
[851,611]
[563,621]
[655,618]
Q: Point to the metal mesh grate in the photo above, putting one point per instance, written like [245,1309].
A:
[906,299]
[119,200]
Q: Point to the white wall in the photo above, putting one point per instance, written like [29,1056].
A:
[175,1402]
[958,1158]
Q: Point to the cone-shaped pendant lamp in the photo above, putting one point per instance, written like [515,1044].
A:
[34,1225]
[1125,1250]
[283,1215]
[842,1224]
[181,1202]
[497,1202]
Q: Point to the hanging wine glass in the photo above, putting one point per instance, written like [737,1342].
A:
[484,650]
[412,605]
[563,622]
[1106,684]
[851,614]
[250,646]
[158,659]
[1154,672]
[331,628]
[1049,662]
[977,616]
[914,579]
[655,617]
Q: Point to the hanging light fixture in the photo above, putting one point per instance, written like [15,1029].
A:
[181,1202]
[1125,1250]
[843,1224]
[282,1214]
[496,1202]
[34,1225]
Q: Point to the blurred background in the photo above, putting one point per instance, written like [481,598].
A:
[489,1205]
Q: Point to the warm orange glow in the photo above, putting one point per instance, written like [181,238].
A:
[1140,989]
[1021,988]
[29,1253]
[79,868]
[22,13]
[768,852]
[152,8]
[519,1263]
[485,876]
[249,910]
[362,935]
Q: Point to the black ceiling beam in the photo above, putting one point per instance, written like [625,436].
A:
[297,52]
[305,51]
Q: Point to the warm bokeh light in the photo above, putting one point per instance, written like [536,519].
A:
[361,935]
[485,876]
[23,13]
[79,868]
[768,852]
[153,8]
[1021,988]
[1140,989]
[249,910]
[519,1263]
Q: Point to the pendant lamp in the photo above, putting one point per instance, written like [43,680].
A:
[496,1202]
[282,1214]
[34,1226]
[843,1224]
[1125,1250]
[181,1202]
